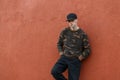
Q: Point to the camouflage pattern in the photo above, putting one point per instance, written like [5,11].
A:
[73,43]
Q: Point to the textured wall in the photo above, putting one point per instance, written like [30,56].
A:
[29,31]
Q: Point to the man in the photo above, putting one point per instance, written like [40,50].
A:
[73,47]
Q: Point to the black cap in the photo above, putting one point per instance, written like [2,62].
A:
[71,17]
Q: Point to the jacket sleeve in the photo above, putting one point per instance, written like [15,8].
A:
[60,42]
[86,46]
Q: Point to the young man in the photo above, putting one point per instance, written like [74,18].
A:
[73,47]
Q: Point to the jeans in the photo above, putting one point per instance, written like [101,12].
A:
[72,64]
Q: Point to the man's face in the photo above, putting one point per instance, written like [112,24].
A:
[72,23]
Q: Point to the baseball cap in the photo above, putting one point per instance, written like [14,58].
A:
[71,17]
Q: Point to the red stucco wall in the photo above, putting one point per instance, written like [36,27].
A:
[29,30]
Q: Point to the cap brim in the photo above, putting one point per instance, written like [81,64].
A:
[70,19]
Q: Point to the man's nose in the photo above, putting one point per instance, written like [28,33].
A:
[71,24]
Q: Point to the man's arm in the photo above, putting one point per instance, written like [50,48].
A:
[86,47]
[60,43]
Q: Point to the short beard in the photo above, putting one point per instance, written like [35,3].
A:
[73,27]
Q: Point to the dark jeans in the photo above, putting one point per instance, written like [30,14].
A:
[72,64]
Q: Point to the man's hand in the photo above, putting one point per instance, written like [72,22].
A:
[61,53]
[81,57]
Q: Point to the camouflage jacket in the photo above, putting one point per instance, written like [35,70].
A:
[73,43]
